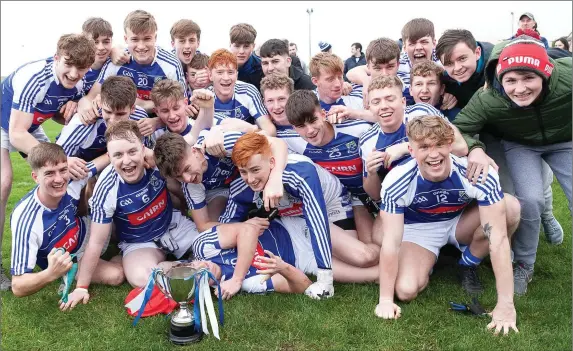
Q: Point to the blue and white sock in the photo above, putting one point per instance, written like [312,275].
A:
[468,259]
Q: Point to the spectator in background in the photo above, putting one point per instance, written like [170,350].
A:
[400,43]
[325,47]
[293,52]
[562,43]
[527,21]
[293,59]
[357,59]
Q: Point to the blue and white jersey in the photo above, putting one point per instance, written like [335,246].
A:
[404,67]
[165,65]
[36,229]
[340,156]
[34,88]
[219,174]
[309,190]
[141,212]
[375,138]
[352,100]
[92,76]
[246,104]
[405,191]
[88,142]
[275,239]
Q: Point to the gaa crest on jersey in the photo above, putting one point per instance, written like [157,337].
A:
[155,182]
[258,199]
[352,146]
[463,196]
[238,113]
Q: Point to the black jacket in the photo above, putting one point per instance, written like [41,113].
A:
[252,72]
[302,81]
[296,61]
[464,91]
[350,63]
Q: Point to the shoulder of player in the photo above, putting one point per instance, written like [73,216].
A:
[26,204]
[245,88]
[167,57]
[419,110]
[401,175]
[372,132]
[237,186]
[107,178]
[299,164]
[34,75]
[138,113]
[460,165]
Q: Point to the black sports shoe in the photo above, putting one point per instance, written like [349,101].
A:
[470,280]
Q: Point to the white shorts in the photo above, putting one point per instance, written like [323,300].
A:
[339,208]
[355,201]
[217,192]
[301,243]
[182,230]
[5,139]
[82,249]
[432,236]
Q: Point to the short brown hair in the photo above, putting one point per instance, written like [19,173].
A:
[199,61]
[382,51]
[382,82]
[249,145]
[79,49]
[277,81]
[118,92]
[97,27]
[416,29]
[46,154]
[426,68]
[329,62]
[430,127]
[184,28]
[123,130]
[242,33]
[166,89]
[139,22]
[301,106]
[169,151]
[222,57]
[450,39]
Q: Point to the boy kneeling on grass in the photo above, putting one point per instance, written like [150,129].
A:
[46,229]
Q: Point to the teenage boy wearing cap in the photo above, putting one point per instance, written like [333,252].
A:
[528,99]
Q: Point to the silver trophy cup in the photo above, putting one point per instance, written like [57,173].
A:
[179,284]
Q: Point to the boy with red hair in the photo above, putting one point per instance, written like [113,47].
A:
[233,98]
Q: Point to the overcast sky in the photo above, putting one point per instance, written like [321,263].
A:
[30,30]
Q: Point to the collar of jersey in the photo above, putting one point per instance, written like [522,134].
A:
[40,202]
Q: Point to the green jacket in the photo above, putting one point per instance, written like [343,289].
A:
[545,122]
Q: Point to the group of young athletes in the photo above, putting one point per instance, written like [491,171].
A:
[264,174]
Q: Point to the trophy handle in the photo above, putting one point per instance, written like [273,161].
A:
[162,282]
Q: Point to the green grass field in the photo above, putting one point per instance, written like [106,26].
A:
[281,322]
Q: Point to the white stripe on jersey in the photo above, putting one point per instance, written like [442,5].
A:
[317,216]
[30,84]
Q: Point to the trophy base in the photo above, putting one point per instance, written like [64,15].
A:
[184,335]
